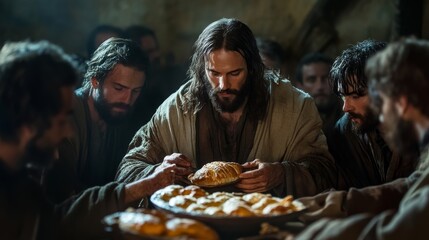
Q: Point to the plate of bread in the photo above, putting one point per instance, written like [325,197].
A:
[156,225]
[231,214]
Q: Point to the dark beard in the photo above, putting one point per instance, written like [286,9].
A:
[402,137]
[104,109]
[369,123]
[227,106]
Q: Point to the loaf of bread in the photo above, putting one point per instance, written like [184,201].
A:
[142,224]
[216,174]
[189,229]
[154,224]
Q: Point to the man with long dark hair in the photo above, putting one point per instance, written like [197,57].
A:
[102,110]
[356,142]
[234,109]
[36,101]
[398,89]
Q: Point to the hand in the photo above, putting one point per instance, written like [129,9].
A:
[145,187]
[329,204]
[260,177]
[183,166]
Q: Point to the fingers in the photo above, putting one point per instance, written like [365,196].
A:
[308,202]
[251,174]
[178,159]
[253,185]
[250,165]
[183,166]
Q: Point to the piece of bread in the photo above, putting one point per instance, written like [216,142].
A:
[276,209]
[253,198]
[181,201]
[216,174]
[237,207]
[182,227]
[170,191]
[194,191]
[142,224]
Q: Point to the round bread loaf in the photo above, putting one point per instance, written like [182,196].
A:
[142,224]
[183,227]
[216,174]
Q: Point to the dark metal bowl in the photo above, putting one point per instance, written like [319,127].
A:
[228,226]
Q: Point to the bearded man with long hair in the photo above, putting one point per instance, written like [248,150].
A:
[234,109]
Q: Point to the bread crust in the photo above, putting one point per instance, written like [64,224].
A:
[216,174]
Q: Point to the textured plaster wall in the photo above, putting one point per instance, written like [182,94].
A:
[178,22]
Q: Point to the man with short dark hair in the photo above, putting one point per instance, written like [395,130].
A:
[36,100]
[233,110]
[312,76]
[398,86]
[103,107]
[362,156]
[100,34]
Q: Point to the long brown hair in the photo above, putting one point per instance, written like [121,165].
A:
[232,35]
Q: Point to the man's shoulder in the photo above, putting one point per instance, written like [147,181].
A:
[342,130]
[282,88]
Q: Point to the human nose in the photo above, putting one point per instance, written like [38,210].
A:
[318,85]
[224,83]
[127,97]
[347,104]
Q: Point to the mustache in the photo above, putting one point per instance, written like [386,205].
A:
[355,115]
[228,91]
[120,105]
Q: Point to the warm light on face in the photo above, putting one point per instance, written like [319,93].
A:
[226,72]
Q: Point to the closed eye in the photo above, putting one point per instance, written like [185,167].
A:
[235,73]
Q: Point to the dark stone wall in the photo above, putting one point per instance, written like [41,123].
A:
[178,22]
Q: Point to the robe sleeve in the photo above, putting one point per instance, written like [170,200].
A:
[378,212]
[80,217]
[169,131]
[409,222]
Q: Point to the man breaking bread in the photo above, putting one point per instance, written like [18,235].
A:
[234,109]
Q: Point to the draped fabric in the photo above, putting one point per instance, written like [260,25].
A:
[290,134]
[395,210]
[364,159]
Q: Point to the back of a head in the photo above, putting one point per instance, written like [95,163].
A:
[112,52]
[401,70]
[348,69]
[309,58]
[31,76]
[91,43]
[272,50]
[136,32]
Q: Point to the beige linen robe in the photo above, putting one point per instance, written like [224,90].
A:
[290,133]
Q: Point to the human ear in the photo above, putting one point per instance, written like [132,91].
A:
[94,83]
[401,105]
